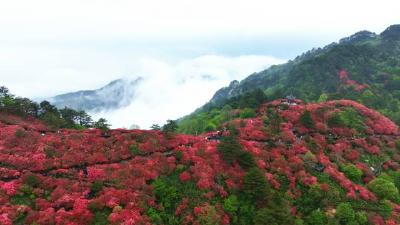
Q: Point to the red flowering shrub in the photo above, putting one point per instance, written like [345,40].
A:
[185,176]
[344,77]
[71,175]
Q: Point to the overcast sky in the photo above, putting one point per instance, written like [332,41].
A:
[48,47]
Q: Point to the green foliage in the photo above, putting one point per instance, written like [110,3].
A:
[247,113]
[246,213]
[348,118]
[97,187]
[385,207]
[49,152]
[169,191]
[384,189]
[134,149]
[212,115]
[323,97]
[170,128]
[353,173]
[231,204]
[20,218]
[317,217]
[345,213]
[102,124]
[335,120]
[362,218]
[273,216]
[155,127]
[229,148]
[275,211]
[394,177]
[231,151]
[245,160]
[100,216]
[352,119]
[19,133]
[24,197]
[310,200]
[306,119]
[154,216]
[75,119]
[31,180]
[210,127]
[255,185]
[273,121]
[167,195]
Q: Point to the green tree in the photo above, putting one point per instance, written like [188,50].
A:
[102,124]
[231,204]
[306,119]
[247,113]
[170,128]
[353,173]
[255,185]
[229,148]
[245,160]
[362,218]
[345,213]
[210,127]
[69,116]
[276,212]
[317,217]
[384,189]
[335,120]
[155,127]
[84,119]
[311,199]
[323,97]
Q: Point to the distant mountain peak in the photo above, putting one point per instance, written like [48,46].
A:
[359,36]
[391,33]
[116,94]
[226,91]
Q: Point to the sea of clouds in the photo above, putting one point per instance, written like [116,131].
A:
[170,90]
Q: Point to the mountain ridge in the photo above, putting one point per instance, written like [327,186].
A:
[116,94]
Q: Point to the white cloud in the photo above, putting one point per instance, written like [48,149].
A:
[172,90]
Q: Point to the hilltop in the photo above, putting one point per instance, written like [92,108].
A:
[334,162]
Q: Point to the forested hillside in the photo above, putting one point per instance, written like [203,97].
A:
[364,67]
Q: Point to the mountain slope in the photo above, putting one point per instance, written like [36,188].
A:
[116,94]
[364,67]
[368,57]
[293,163]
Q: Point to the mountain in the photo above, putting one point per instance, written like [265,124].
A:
[364,67]
[116,94]
[369,58]
[335,162]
